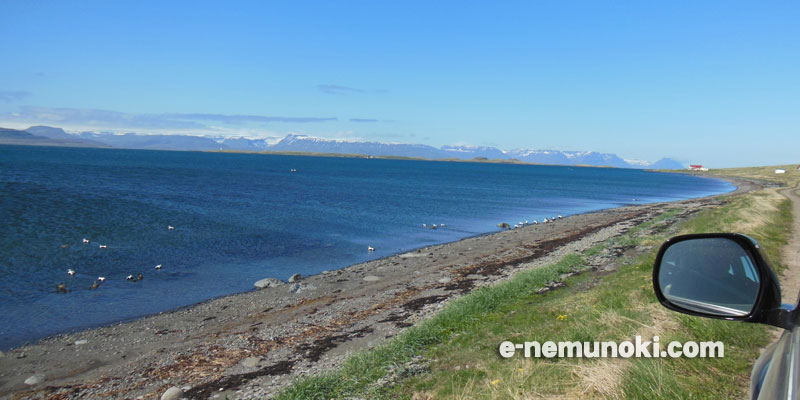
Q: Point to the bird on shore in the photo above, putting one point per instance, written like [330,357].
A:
[370,249]
[61,288]
[560,217]
[442,225]
[170,227]
[424,225]
[433,226]
[139,277]
[535,222]
[102,246]
[85,240]
[95,285]
[129,277]
[158,267]
[101,278]
[71,272]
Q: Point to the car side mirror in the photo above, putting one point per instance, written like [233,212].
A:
[719,275]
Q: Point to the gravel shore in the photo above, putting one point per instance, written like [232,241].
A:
[254,343]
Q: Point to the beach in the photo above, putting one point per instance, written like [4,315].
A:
[254,343]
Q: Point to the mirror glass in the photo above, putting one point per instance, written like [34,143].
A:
[709,275]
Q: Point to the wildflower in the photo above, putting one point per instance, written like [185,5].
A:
[561,317]
[495,382]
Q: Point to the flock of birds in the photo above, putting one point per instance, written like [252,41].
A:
[62,287]
[520,224]
[535,222]
[433,226]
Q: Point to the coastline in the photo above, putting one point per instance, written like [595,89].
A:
[256,341]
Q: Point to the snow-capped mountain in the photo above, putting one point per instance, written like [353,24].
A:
[246,144]
[44,135]
[467,152]
[309,144]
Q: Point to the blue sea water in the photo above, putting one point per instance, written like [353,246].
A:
[239,218]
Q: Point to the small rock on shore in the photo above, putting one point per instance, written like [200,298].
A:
[268,283]
[35,379]
[172,393]
[251,362]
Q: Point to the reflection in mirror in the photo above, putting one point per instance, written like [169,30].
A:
[709,275]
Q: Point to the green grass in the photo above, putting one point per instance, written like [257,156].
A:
[459,317]
[460,343]
[791,178]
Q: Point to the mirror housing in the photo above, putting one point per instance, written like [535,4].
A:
[761,304]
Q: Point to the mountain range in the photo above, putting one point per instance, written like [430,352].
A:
[50,136]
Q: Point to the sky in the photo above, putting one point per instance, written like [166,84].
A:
[703,82]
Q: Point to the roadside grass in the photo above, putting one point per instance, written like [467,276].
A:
[460,343]
[764,214]
[790,178]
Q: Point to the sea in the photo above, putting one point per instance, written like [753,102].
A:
[239,218]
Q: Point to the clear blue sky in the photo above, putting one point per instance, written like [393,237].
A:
[716,83]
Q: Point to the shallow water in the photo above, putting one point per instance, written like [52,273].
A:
[243,217]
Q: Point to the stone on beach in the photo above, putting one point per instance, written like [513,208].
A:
[295,278]
[298,287]
[372,278]
[172,393]
[268,283]
[251,362]
[35,379]
[80,342]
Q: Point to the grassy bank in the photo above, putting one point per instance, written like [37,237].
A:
[791,176]
[455,353]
